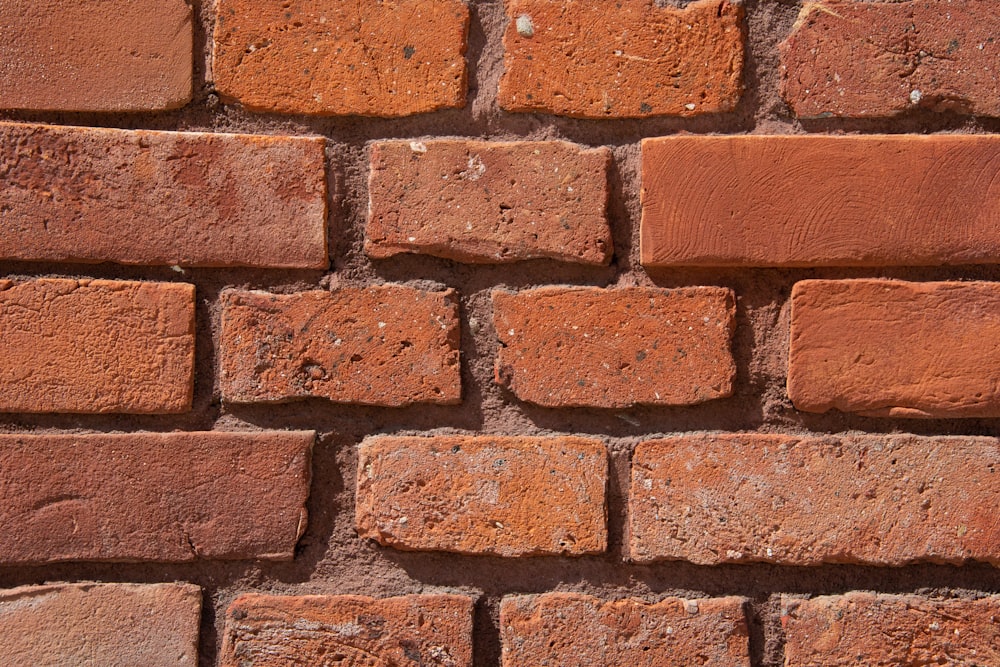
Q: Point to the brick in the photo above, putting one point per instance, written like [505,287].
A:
[574,630]
[820,200]
[489,202]
[626,59]
[613,348]
[336,57]
[888,630]
[161,497]
[96,346]
[73,194]
[505,496]
[889,348]
[413,630]
[872,499]
[861,60]
[69,625]
[386,345]
[113,55]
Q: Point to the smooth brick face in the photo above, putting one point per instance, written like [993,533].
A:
[574,630]
[861,59]
[626,59]
[889,348]
[820,201]
[890,630]
[879,500]
[613,348]
[74,625]
[484,495]
[409,631]
[392,58]
[489,202]
[164,497]
[100,55]
[386,345]
[139,197]
[96,346]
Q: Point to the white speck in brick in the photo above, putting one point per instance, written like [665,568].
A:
[915,96]
[525,28]
[381,325]
[418,147]
[690,106]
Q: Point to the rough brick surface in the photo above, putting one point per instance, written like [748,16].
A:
[409,631]
[489,202]
[879,499]
[165,497]
[859,59]
[86,625]
[609,348]
[96,346]
[137,197]
[484,495]
[890,630]
[626,59]
[574,630]
[385,345]
[894,348]
[392,58]
[820,200]
[107,55]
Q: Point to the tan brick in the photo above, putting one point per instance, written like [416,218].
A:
[489,202]
[507,496]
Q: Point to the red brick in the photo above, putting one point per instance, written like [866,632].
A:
[163,497]
[878,499]
[114,55]
[393,58]
[895,349]
[414,630]
[75,194]
[625,59]
[612,348]
[489,202]
[820,200]
[574,630]
[57,625]
[862,59]
[890,630]
[96,346]
[387,345]
[506,496]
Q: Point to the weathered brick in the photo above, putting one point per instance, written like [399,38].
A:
[878,499]
[861,59]
[73,194]
[338,57]
[625,59]
[71,625]
[113,55]
[95,346]
[820,200]
[163,497]
[889,630]
[414,630]
[388,345]
[574,630]
[507,496]
[609,348]
[489,202]
[894,348]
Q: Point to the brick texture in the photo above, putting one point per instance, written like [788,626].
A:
[820,200]
[94,346]
[165,497]
[869,499]
[484,495]
[612,348]
[138,197]
[489,202]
